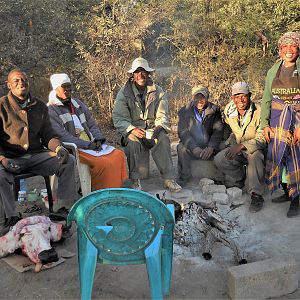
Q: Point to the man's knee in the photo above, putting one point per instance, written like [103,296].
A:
[163,138]
[132,146]
[69,166]
[256,158]
[6,178]
[219,158]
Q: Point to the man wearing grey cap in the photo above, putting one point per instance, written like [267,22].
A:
[141,116]
[200,129]
[245,146]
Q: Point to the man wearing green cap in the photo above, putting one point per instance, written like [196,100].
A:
[200,130]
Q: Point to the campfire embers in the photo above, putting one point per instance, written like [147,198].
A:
[201,228]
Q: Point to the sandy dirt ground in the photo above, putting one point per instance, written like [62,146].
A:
[266,234]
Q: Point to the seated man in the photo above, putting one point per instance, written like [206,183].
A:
[142,106]
[200,130]
[246,145]
[73,123]
[28,144]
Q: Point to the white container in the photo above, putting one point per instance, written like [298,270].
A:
[149,133]
[22,196]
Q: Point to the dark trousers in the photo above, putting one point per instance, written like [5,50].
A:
[43,163]
[185,158]
[161,154]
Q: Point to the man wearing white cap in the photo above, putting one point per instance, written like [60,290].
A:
[246,146]
[28,144]
[142,109]
[72,122]
[200,129]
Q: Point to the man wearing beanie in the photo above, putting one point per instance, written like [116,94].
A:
[200,130]
[245,146]
[28,144]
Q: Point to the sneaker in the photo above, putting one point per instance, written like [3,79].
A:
[172,185]
[136,184]
[257,203]
[294,208]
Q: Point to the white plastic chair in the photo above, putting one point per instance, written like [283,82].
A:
[83,169]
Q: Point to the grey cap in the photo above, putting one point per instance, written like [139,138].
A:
[240,87]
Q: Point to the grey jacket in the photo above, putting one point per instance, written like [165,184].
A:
[128,113]
[63,125]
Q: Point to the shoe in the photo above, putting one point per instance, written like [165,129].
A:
[294,208]
[12,221]
[257,203]
[281,199]
[172,185]
[136,184]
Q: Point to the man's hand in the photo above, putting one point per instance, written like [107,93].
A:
[233,151]
[297,136]
[138,132]
[157,131]
[267,133]
[98,144]
[95,145]
[62,154]
[197,152]
[148,143]
[11,166]
[207,153]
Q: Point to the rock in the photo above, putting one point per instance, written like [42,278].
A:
[234,192]
[221,198]
[184,196]
[205,181]
[213,188]
[269,278]
[205,201]
[240,200]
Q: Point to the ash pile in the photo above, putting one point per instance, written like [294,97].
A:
[202,223]
[198,229]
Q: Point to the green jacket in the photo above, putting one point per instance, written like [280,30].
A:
[128,114]
[249,134]
[267,97]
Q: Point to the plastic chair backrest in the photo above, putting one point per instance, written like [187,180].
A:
[133,219]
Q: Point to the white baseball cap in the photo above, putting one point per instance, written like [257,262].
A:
[140,63]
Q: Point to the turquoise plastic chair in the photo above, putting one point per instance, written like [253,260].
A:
[124,226]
